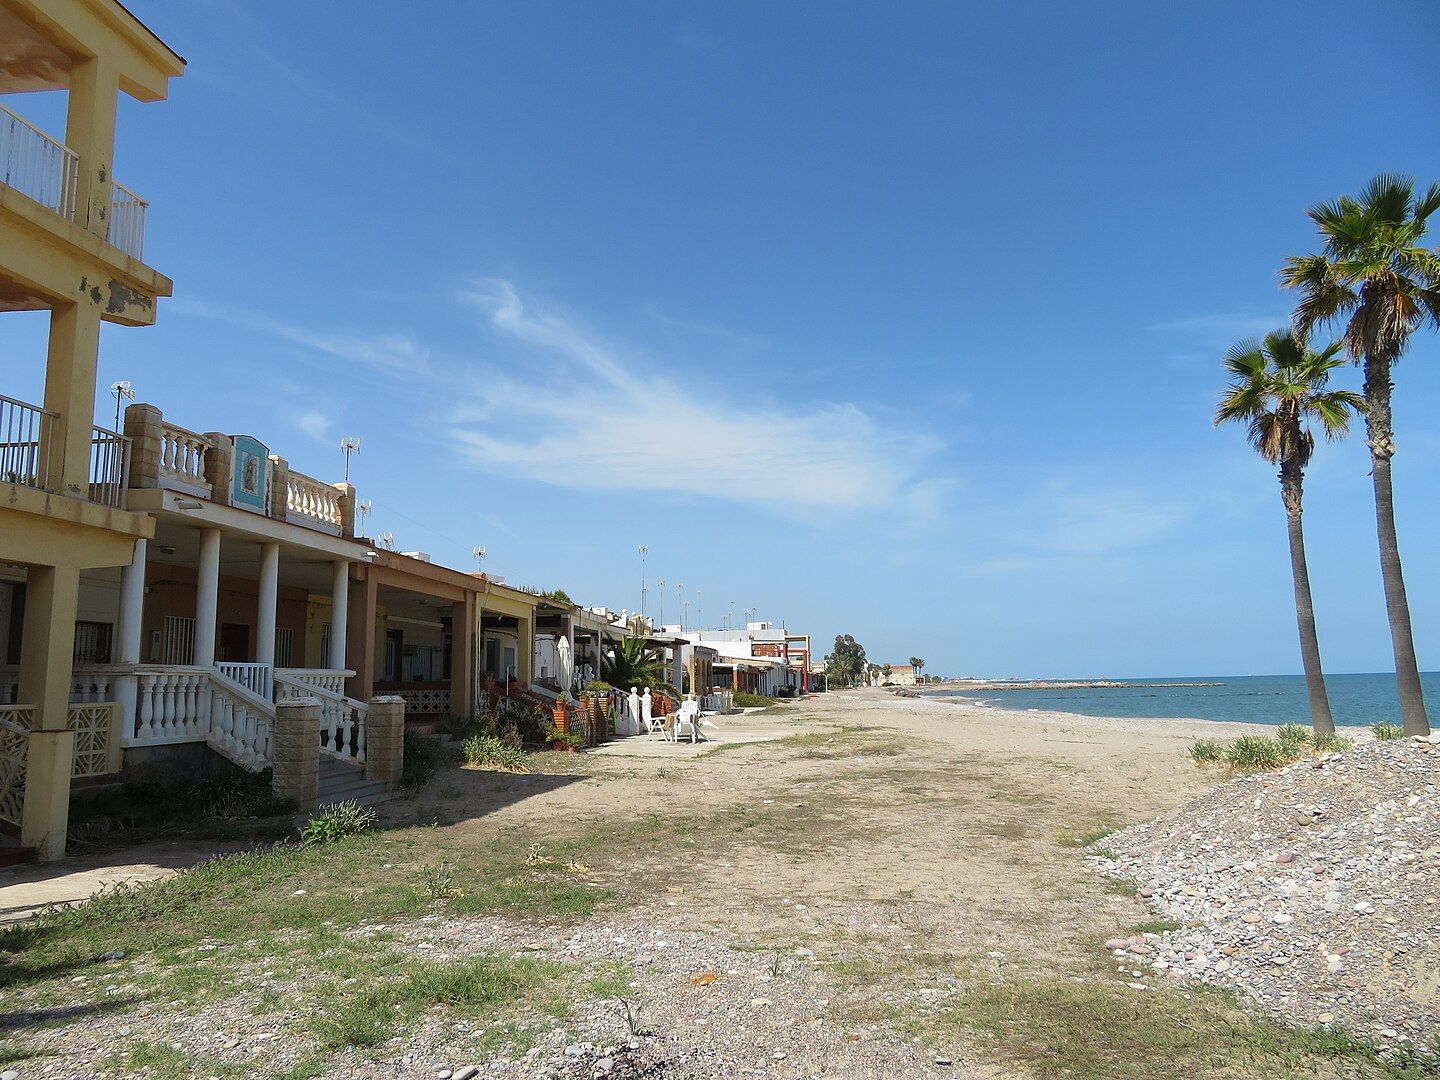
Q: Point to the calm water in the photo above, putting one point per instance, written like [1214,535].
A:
[1251,699]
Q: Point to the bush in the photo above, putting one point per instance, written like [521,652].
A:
[527,721]
[336,823]
[1253,753]
[599,686]
[744,700]
[150,806]
[1293,736]
[1386,731]
[1207,751]
[488,752]
[423,755]
[1331,743]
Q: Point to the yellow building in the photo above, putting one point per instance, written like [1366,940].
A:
[71,244]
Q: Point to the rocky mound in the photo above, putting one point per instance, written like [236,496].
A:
[1314,890]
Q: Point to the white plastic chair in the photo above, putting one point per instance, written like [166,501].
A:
[687,721]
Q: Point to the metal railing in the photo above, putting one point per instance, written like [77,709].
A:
[37,166]
[109,467]
[24,443]
[127,220]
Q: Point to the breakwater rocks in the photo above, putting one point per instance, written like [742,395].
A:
[1312,890]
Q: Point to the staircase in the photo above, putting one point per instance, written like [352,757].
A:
[341,781]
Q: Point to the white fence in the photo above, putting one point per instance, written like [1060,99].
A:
[37,166]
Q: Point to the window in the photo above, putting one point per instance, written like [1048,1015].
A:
[179,641]
[92,643]
[284,643]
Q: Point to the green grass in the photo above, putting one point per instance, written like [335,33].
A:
[1089,838]
[1207,751]
[1331,743]
[1294,736]
[1257,753]
[1101,1029]
[1386,731]
[161,1061]
[489,752]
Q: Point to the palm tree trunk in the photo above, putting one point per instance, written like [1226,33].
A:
[1291,488]
[1380,431]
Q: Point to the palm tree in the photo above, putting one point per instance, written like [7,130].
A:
[1373,274]
[633,664]
[1276,386]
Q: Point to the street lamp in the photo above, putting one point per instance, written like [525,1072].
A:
[121,390]
[348,445]
[644,550]
[661,584]
[699,612]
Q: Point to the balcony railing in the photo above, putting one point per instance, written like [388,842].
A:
[109,467]
[127,220]
[48,171]
[24,443]
[36,165]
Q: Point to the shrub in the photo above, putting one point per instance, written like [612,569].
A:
[423,755]
[1253,753]
[1386,731]
[745,700]
[1330,743]
[527,721]
[599,686]
[570,739]
[336,823]
[488,752]
[1293,736]
[1207,751]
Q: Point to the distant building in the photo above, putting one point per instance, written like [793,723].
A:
[900,675]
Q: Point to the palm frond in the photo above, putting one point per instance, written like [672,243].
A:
[1324,292]
[1387,198]
[1427,204]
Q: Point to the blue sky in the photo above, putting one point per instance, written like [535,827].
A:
[895,320]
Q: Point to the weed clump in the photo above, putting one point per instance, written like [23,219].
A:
[336,823]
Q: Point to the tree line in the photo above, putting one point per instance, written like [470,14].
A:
[1374,282]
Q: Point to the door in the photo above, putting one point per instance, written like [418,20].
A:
[235,642]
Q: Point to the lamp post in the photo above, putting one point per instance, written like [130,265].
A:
[680,599]
[348,445]
[644,550]
[122,391]
[661,584]
[699,612]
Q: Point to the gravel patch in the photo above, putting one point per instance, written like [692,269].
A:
[1312,890]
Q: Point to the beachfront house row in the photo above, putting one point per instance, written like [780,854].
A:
[71,246]
[762,658]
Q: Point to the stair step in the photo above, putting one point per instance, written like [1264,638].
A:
[358,784]
[362,800]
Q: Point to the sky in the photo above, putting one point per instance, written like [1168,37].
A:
[902,321]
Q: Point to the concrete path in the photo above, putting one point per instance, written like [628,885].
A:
[25,891]
[736,728]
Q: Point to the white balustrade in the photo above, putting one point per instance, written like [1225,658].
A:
[240,725]
[172,705]
[182,458]
[257,678]
[342,719]
[127,220]
[331,679]
[312,501]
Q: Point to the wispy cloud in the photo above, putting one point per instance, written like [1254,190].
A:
[316,425]
[385,352]
[591,416]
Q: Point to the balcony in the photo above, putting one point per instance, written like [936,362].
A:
[47,171]
[25,453]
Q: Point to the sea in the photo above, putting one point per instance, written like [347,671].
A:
[1356,699]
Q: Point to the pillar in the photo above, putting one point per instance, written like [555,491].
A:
[127,650]
[347,510]
[50,757]
[47,642]
[385,739]
[265,609]
[74,350]
[143,429]
[462,656]
[525,649]
[295,739]
[219,464]
[339,613]
[207,597]
[360,632]
[90,132]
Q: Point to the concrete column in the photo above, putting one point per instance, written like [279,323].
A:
[462,665]
[47,642]
[339,612]
[142,428]
[279,487]
[347,509]
[269,597]
[74,350]
[207,597]
[296,742]
[219,463]
[360,632]
[90,132]
[385,739]
[132,611]
[50,757]
[525,650]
